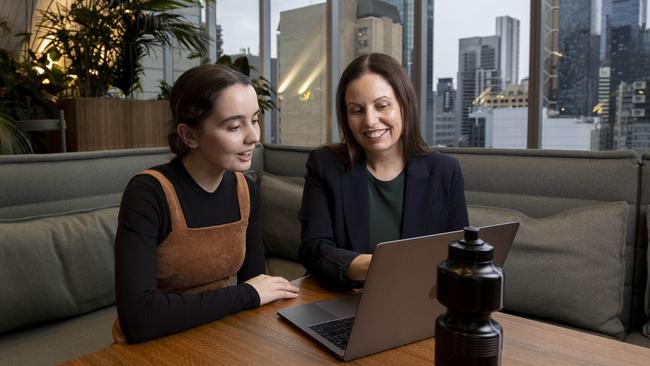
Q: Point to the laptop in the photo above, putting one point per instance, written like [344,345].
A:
[398,304]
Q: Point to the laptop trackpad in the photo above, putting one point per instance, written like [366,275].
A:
[343,307]
[322,311]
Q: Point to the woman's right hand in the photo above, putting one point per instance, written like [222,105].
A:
[271,288]
[358,268]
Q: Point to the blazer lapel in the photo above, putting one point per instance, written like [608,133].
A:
[354,186]
[417,199]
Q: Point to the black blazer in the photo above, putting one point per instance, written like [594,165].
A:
[334,212]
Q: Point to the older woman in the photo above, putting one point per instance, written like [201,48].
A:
[380,183]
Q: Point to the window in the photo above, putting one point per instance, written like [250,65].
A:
[597,64]
[238,29]
[363,32]
[481,55]
[298,63]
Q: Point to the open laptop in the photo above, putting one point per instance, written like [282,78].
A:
[398,304]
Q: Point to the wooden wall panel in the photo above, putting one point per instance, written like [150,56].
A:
[105,124]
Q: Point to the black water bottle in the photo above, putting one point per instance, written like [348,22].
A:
[471,287]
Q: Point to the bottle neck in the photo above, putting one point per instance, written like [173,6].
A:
[469,321]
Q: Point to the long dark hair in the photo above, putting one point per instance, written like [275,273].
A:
[193,96]
[391,71]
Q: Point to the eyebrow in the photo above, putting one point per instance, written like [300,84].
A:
[374,101]
[238,116]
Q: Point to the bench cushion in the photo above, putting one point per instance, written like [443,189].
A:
[280,226]
[53,343]
[55,267]
[568,267]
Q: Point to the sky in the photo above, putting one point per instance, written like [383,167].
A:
[453,19]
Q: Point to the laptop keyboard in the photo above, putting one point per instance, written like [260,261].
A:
[336,331]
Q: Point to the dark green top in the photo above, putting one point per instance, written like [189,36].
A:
[386,204]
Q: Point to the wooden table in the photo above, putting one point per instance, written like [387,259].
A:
[260,337]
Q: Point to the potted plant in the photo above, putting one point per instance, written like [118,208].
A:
[27,91]
[101,43]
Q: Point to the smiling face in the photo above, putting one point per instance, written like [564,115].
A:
[229,134]
[374,115]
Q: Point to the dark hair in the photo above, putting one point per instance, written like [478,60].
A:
[193,96]
[391,71]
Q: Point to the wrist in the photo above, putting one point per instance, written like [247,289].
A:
[358,268]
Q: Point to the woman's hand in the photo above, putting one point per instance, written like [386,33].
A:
[271,288]
[358,268]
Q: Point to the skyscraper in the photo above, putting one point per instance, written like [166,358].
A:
[444,115]
[219,40]
[627,48]
[579,44]
[507,28]
[478,69]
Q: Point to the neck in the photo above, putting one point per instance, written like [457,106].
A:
[386,165]
[204,174]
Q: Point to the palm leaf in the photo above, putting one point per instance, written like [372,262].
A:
[12,140]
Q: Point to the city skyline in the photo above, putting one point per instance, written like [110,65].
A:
[242,15]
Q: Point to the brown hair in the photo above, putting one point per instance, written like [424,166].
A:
[391,71]
[193,96]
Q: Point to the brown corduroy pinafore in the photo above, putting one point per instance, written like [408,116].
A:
[198,259]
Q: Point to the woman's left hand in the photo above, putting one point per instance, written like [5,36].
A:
[271,288]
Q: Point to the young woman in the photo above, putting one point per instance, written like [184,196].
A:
[380,183]
[185,227]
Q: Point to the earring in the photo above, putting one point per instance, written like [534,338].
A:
[193,145]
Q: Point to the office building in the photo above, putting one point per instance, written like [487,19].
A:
[478,70]
[445,132]
[579,42]
[167,63]
[514,96]
[219,41]
[627,47]
[632,124]
[507,128]
[507,28]
[378,29]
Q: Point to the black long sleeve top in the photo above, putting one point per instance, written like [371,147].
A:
[144,222]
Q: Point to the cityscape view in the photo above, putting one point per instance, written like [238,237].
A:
[595,56]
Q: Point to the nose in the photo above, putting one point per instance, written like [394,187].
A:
[369,117]
[253,134]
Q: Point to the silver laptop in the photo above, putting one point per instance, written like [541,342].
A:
[398,304]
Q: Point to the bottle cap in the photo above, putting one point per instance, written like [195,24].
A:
[471,249]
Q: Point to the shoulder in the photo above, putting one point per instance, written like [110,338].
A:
[325,157]
[434,157]
[433,163]
[143,195]
[325,154]
[143,180]
[252,186]
[143,183]
[437,158]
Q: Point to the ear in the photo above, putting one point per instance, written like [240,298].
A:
[188,135]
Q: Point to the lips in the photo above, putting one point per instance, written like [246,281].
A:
[246,155]
[375,133]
